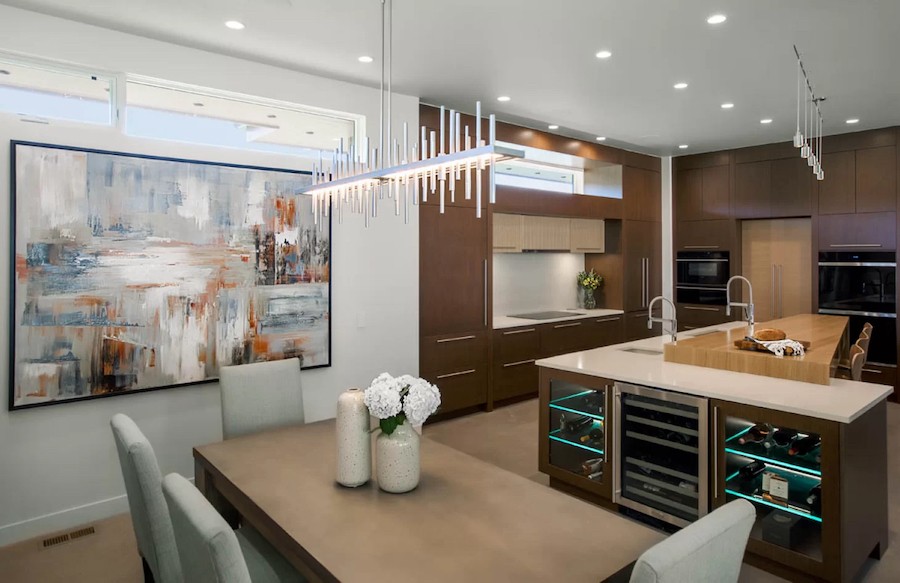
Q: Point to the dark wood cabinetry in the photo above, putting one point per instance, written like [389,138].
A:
[641,194]
[636,326]
[855,232]
[703,193]
[876,180]
[642,263]
[458,365]
[837,193]
[752,190]
[705,235]
[691,317]
[773,188]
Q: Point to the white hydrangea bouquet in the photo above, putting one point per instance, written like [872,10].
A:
[394,400]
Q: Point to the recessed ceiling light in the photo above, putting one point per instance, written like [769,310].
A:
[4,72]
[604,55]
[553,127]
[310,133]
[683,147]
[601,138]
[235,25]
[727,105]
[365,59]
[198,104]
[766,120]
[537,173]
[271,116]
[716,19]
[853,120]
[681,85]
[503,98]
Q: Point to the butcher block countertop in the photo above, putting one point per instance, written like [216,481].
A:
[825,334]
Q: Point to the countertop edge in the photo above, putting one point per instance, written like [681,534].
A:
[503,322]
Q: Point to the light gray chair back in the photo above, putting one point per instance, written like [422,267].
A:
[708,551]
[260,396]
[209,549]
[149,515]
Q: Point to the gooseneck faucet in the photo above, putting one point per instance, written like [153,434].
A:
[673,320]
[748,306]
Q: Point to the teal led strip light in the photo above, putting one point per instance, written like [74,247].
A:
[732,476]
[736,435]
[778,506]
[586,414]
[775,462]
[566,441]
[581,394]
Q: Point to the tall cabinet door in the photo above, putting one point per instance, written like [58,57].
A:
[641,262]
[776,256]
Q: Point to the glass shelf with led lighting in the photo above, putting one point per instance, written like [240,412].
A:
[577,429]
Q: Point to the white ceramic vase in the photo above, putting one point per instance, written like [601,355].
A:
[397,459]
[354,444]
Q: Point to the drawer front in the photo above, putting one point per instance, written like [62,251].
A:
[453,352]
[563,337]
[636,326]
[516,344]
[466,387]
[691,317]
[605,331]
[880,375]
[865,231]
[515,379]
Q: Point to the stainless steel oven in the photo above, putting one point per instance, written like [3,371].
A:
[862,285]
[701,277]
[661,453]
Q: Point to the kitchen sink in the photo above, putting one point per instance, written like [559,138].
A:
[644,351]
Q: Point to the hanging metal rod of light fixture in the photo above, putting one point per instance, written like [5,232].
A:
[812,120]
[359,177]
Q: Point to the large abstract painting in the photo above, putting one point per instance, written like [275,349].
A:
[133,273]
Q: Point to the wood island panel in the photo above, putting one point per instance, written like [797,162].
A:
[826,335]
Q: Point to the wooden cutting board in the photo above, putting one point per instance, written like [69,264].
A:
[750,345]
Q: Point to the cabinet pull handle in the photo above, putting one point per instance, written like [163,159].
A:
[457,339]
[774,290]
[872,370]
[701,247]
[781,291]
[691,327]
[568,325]
[841,245]
[511,332]
[613,319]
[485,291]
[505,247]
[700,308]
[519,363]
[587,248]
[715,450]
[455,374]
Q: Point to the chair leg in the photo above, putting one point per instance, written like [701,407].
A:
[148,574]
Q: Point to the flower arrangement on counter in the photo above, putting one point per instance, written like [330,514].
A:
[590,279]
[393,400]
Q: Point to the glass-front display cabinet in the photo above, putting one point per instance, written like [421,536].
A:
[811,511]
[575,431]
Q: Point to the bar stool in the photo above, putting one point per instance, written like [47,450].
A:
[857,360]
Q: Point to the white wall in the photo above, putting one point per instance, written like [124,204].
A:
[58,466]
[668,285]
[528,282]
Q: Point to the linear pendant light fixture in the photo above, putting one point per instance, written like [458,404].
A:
[358,178]
[810,146]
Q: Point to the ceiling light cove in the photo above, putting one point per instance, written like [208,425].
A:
[553,127]
[601,138]
[604,54]
[716,19]
[727,105]
[681,85]
[765,121]
[504,98]
[365,59]
[683,147]
[235,25]
[853,120]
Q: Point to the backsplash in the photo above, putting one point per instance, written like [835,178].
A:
[526,282]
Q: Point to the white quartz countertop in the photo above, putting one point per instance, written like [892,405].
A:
[508,322]
[842,401]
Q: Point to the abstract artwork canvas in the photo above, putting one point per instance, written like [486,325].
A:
[133,273]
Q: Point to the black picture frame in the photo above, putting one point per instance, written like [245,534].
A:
[14,144]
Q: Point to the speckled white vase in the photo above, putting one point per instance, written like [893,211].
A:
[354,444]
[397,459]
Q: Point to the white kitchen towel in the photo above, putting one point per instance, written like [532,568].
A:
[777,347]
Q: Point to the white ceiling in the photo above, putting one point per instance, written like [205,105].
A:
[542,55]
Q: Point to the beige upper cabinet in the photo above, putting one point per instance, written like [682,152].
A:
[587,236]
[546,234]
[508,233]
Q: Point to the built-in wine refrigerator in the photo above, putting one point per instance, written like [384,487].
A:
[660,463]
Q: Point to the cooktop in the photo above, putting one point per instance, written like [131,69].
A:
[545,315]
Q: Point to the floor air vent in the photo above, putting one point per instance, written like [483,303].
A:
[67,537]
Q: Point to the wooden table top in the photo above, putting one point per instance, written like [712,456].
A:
[467,520]
[716,350]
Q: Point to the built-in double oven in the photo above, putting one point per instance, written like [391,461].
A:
[862,286]
[701,277]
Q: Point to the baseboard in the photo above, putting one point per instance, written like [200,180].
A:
[63,519]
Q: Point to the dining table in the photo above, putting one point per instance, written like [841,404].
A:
[467,520]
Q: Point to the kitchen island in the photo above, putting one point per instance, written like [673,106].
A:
[622,427]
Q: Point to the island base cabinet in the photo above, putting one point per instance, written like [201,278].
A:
[574,426]
[819,487]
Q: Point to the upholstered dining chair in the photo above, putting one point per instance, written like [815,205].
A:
[149,515]
[709,550]
[260,396]
[210,551]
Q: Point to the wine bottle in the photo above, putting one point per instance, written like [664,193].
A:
[593,402]
[757,434]
[781,438]
[814,498]
[752,470]
[804,445]
[591,466]
[596,434]
[574,424]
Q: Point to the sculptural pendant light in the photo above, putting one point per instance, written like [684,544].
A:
[813,121]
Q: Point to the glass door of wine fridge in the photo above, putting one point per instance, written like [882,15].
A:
[661,453]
